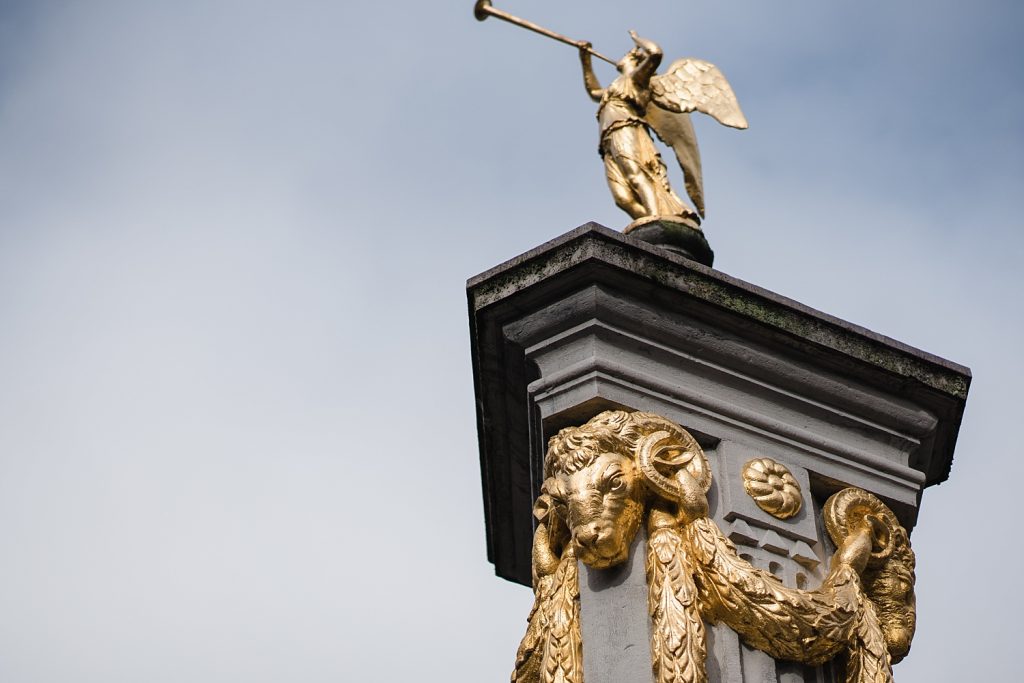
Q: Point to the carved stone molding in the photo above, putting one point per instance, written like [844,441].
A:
[595,320]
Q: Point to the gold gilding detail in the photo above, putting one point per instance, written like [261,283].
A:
[773,487]
[552,649]
[621,469]
[638,102]
[678,647]
[889,576]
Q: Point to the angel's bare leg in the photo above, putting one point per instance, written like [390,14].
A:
[622,189]
[643,186]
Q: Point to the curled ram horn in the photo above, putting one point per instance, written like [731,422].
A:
[673,449]
[546,553]
[647,451]
[674,466]
[846,509]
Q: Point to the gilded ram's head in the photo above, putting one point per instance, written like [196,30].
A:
[891,588]
[888,574]
[600,476]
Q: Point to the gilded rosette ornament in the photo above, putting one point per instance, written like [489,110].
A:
[620,470]
[773,487]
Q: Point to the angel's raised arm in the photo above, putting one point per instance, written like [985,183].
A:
[649,62]
[590,81]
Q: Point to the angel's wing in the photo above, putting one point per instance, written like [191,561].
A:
[676,131]
[690,85]
[696,85]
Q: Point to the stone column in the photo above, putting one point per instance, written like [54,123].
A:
[614,621]
[595,320]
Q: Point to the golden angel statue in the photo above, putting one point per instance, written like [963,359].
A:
[637,102]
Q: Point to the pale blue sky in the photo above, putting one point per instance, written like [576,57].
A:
[238,434]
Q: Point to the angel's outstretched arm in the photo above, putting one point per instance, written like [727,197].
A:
[590,81]
[648,66]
